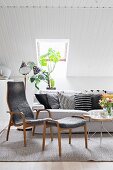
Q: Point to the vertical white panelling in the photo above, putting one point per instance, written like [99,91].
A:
[58,3]
[89,30]
[91,40]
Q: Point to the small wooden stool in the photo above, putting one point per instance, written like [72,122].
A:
[65,124]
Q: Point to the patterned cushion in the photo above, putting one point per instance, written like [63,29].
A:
[66,101]
[83,102]
[53,101]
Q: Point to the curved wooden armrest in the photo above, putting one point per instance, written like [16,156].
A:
[38,111]
[54,121]
[17,113]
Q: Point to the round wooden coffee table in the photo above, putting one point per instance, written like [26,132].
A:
[99,116]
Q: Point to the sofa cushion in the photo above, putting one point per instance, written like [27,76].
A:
[61,113]
[50,91]
[70,92]
[53,101]
[83,102]
[109,91]
[95,101]
[42,98]
[66,101]
[37,106]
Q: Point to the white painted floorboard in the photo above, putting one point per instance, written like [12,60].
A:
[56,165]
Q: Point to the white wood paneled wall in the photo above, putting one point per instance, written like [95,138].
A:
[90,32]
[58,3]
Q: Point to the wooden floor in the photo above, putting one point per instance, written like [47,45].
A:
[56,165]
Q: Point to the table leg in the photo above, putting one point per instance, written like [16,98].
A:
[107,131]
[101,133]
[90,136]
[93,134]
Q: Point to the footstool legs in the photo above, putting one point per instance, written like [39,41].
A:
[70,133]
[85,133]
[59,138]
[66,125]
[44,136]
[51,134]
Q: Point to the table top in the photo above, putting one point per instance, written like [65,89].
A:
[98,115]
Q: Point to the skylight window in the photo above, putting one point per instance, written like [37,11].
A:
[60,45]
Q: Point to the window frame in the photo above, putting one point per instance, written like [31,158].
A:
[66,41]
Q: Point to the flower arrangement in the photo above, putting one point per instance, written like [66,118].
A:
[107,103]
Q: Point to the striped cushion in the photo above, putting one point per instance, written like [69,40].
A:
[83,102]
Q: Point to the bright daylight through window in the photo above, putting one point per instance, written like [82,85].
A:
[61,45]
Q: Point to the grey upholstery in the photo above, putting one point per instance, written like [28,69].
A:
[20,111]
[17,102]
[68,122]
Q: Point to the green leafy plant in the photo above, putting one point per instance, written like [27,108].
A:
[47,62]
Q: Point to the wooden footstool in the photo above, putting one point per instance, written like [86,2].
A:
[67,123]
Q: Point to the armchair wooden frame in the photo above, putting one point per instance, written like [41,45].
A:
[59,134]
[26,124]
[37,114]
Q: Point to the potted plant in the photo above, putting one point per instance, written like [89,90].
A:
[47,62]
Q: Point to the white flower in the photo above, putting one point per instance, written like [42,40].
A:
[107,99]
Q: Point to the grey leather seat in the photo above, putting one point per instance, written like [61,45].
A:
[67,123]
[19,109]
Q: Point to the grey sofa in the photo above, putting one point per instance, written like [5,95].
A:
[61,113]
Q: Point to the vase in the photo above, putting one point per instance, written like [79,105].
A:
[51,88]
[5,72]
[109,111]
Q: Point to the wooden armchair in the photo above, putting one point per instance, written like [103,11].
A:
[20,111]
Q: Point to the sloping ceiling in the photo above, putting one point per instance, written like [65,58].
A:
[90,30]
[58,3]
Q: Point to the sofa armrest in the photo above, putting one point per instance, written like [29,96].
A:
[37,106]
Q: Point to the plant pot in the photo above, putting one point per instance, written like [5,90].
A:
[51,88]
[108,111]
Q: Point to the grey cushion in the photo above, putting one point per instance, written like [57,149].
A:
[53,101]
[66,101]
[38,121]
[69,122]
